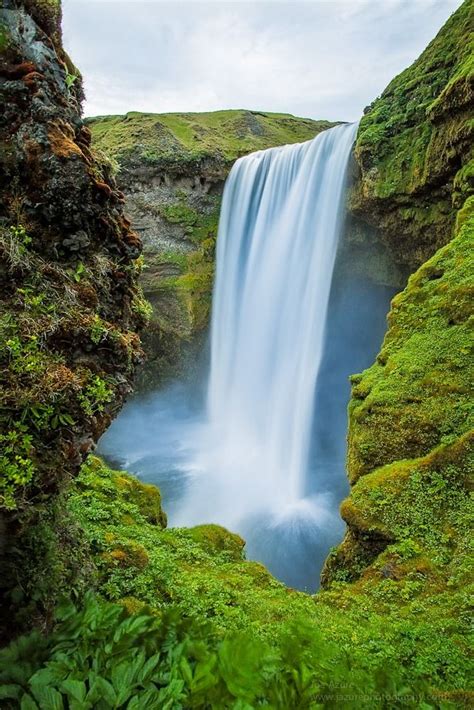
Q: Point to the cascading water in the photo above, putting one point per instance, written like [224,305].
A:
[277,243]
[265,456]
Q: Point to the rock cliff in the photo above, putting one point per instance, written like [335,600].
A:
[69,303]
[415,148]
[172,169]
[410,458]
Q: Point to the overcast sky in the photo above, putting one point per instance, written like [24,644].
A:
[316,58]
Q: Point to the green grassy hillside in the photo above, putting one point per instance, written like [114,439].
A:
[174,139]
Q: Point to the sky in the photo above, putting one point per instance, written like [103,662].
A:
[323,59]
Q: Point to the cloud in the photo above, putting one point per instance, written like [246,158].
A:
[320,58]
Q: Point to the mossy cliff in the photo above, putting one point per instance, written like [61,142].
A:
[69,303]
[172,169]
[415,147]
[410,458]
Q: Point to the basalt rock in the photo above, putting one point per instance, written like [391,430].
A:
[69,304]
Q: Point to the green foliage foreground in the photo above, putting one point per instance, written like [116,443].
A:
[99,657]
[179,619]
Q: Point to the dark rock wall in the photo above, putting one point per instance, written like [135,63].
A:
[69,303]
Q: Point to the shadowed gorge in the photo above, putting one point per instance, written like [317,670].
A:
[281,515]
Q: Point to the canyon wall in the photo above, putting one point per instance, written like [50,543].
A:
[409,448]
[172,169]
[69,304]
[415,146]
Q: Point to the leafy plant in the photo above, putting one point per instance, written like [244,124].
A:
[95,396]
[70,80]
[98,657]
[98,330]
[79,272]
[16,466]
[142,308]
[20,235]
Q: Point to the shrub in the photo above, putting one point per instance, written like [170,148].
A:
[98,657]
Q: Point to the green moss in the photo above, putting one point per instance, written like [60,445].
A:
[217,539]
[425,499]
[418,394]
[393,621]
[187,139]
[193,282]
[97,481]
[201,568]
[415,143]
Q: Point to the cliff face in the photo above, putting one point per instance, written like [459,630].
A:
[172,169]
[415,147]
[392,622]
[69,304]
[410,449]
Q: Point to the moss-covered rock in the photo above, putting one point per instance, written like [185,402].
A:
[418,394]
[411,419]
[410,456]
[398,615]
[68,305]
[202,569]
[415,147]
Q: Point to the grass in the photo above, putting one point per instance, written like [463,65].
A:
[185,137]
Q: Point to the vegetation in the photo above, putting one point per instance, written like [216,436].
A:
[172,618]
[99,657]
[411,454]
[43,394]
[418,393]
[182,140]
[182,617]
[415,143]
[68,342]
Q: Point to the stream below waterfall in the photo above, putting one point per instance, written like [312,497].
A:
[258,445]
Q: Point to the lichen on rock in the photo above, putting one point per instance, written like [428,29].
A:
[68,319]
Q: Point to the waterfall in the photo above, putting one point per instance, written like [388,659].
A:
[264,456]
[278,235]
